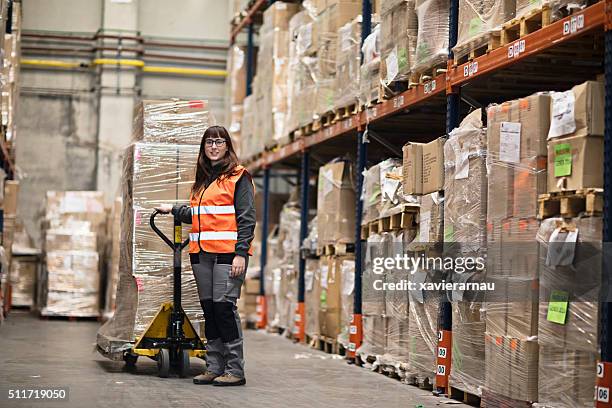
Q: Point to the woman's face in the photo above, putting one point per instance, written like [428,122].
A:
[215,148]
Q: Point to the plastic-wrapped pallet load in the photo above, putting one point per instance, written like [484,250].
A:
[346,265]
[398,40]
[348,60]
[432,38]
[154,173]
[424,305]
[480,22]
[24,271]
[10,72]
[312,296]
[465,216]
[288,253]
[272,67]
[369,72]
[114,252]
[75,224]
[248,143]
[373,301]
[235,93]
[336,204]
[575,142]
[557,8]
[516,140]
[382,184]
[569,310]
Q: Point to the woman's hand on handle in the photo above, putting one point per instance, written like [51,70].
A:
[238,266]
[164,208]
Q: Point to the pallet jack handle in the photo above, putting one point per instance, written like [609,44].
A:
[163,236]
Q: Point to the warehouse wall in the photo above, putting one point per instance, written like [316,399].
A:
[71,137]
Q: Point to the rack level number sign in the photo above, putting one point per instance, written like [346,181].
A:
[441,370]
[603,394]
[442,352]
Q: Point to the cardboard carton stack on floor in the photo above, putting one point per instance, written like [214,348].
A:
[336,225]
[74,229]
[569,310]
[25,265]
[465,216]
[398,39]
[516,138]
[11,193]
[159,168]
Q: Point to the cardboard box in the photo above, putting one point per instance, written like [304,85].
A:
[575,162]
[412,168]
[523,369]
[251,286]
[11,193]
[468,356]
[573,380]
[397,339]
[278,14]
[579,111]
[336,204]
[433,166]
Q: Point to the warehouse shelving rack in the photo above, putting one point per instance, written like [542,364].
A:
[554,57]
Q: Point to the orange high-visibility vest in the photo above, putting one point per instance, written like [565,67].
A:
[213,217]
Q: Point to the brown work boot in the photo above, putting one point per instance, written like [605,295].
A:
[206,377]
[227,380]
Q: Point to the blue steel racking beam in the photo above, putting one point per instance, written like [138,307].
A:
[301,311]
[250,60]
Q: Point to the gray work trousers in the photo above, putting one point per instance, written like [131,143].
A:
[218,294]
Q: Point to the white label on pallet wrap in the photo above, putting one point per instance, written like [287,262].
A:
[510,142]
[600,370]
[603,394]
[441,369]
[398,101]
[442,352]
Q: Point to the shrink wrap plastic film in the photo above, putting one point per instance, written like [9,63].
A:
[398,41]
[348,60]
[369,78]
[465,216]
[477,19]
[432,39]
[171,121]
[154,174]
[347,290]
[383,190]
[75,223]
[569,345]
[249,146]
[312,296]
[516,141]
[23,275]
[559,8]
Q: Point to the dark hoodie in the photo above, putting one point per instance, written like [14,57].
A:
[244,203]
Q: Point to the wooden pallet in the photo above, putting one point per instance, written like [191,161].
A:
[75,318]
[526,24]
[329,345]
[476,47]
[327,119]
[463,396]
[400,220]
[571,203]
[345,111]
[492,400]
[336,249]
[432,72]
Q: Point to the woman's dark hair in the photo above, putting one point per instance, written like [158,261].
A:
[204,167]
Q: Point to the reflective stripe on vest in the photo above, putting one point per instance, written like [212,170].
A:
[213,209]
[213,235]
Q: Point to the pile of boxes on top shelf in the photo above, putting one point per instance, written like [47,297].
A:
[159,168]
[11,47]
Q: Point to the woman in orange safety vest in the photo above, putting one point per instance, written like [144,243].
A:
[222,218]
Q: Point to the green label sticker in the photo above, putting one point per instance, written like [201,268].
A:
[402,59]
[475,26]
[449,233]
[323,298]
[557,306]
[563,160]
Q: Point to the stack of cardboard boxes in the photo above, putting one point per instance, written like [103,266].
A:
[516,138]
[432,38]
[348,60]
[398,39]
[159,168]
[369,72]
[465,216]
[235,93]
[74,230]
[335,225]
[10,69]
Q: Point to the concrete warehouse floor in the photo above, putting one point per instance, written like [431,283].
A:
[37,352]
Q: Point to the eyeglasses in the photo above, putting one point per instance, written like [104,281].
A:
[217,142]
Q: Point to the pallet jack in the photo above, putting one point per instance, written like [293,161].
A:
[170,338]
